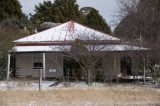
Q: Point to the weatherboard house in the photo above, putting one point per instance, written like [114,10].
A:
[40,51]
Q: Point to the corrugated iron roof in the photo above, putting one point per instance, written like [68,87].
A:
[68,31]
[65,48]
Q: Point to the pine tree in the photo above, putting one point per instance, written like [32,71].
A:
[94,20]
[68,8]
[60,11]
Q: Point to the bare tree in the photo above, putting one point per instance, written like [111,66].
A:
[140,26]
[141,19]
[87,49]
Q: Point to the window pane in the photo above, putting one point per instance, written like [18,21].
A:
[40,64]
[37,60]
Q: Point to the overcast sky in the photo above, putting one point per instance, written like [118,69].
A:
[106,8]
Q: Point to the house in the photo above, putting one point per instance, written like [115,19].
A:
[43,50]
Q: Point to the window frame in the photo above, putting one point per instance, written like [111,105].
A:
[37,60]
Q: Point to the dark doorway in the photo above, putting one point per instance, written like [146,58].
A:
[67,68]
[72,70]
[126,64]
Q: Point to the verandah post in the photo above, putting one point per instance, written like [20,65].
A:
[144,69]
[8,66]
[114,64]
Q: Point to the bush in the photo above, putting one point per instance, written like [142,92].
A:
[2,73]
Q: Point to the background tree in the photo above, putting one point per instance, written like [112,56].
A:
[93,19]
[13,25]
[61,11]
[10,9]
[7,35]
[140,19]
[140,25]
[68,8]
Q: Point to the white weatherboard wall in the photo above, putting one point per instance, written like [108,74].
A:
[24,65]
[54,65]
[108,64]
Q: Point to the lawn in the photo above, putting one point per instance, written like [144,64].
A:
[115,95]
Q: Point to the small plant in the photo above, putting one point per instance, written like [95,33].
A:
[2,73]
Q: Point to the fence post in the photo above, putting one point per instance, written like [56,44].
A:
[144,69]
[40,79]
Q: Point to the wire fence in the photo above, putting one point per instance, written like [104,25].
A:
[34,103]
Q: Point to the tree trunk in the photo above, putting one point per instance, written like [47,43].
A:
[89,78]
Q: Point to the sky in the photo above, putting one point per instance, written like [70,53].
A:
[107,8]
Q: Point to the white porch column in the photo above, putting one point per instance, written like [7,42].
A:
[8,66]
[44,65]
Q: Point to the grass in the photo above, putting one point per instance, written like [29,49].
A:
[81,97]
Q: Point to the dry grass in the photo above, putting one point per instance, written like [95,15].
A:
[80,97]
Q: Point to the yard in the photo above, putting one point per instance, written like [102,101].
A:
[17,93]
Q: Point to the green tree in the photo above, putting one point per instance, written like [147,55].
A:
[93,19]
[7,35]
[10,9]
[12,22]
[61,11]
[68,8]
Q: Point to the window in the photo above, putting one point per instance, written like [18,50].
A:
[37,60]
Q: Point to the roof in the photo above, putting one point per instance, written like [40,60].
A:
[114,48]
[66,32]
[69,31]
[64,48]
[54,48]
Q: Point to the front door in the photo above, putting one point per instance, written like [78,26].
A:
[126,66]
[67,69]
